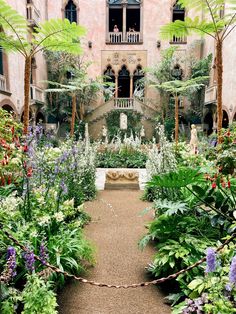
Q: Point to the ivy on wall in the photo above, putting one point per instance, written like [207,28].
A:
[113,123]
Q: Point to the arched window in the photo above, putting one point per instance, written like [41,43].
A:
[178,12]
[177,72]
[124,83]
[1,62]
[138,83]
[71,11]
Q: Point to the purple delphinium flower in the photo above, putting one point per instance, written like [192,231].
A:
[43,254]
[211,260]
[63,187]
[11,262]
[232,272]
[29,260]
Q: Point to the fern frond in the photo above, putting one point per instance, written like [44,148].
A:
[15,27]
[59,35]
[188,27]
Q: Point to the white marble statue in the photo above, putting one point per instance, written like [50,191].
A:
[104,134]
[123,121]
[194,139]
[86,135]
[142,132]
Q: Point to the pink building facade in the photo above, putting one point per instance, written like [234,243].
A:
[122,39]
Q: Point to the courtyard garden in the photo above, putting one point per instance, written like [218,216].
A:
[140,218]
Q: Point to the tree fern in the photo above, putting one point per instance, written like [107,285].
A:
[59,35]
[14,26]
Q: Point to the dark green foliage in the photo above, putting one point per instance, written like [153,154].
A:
[122,159]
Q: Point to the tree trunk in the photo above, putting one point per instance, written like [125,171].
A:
[176,120]
[72,129]
[27,93]
[219,66]
[81,112]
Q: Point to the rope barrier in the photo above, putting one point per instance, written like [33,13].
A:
[124,286]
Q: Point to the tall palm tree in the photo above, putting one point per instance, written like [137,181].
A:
[216,24]
[54,35]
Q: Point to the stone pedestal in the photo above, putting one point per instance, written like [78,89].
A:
[122,179]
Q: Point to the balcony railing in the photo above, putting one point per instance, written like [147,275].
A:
[211,95]
[124,103]
[118,38]
[2,83]
[115,38]
[133,37]
[33,14]
[179,40]
[36,94]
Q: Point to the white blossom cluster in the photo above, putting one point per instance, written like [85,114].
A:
[161,157]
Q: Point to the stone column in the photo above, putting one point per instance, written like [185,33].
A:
[131,86]
[124,22]
[141,21]
[107,23]
[116,86]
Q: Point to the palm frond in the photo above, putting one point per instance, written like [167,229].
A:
[59,35]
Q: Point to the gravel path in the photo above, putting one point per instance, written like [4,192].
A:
[115,230]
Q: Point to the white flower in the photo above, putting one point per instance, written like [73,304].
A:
[44,220]
[59,216]
[69,203]
[11,203]
[80,208]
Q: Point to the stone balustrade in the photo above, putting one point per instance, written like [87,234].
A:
[118,38]
[124,103]
[179,40]
[211,94]
[36,94]
[115,38]
[133,37]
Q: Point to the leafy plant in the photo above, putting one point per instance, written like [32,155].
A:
[54,35]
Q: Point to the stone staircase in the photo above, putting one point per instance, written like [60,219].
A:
[122,104]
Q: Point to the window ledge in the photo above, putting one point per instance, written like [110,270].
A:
[178,42]
[124,43]
[5,92]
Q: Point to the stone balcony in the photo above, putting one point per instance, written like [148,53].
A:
[178,40]
[211,95]
[36,95]
[32,14]
[121,38]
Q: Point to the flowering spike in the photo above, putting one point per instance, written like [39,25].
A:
[211,260]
